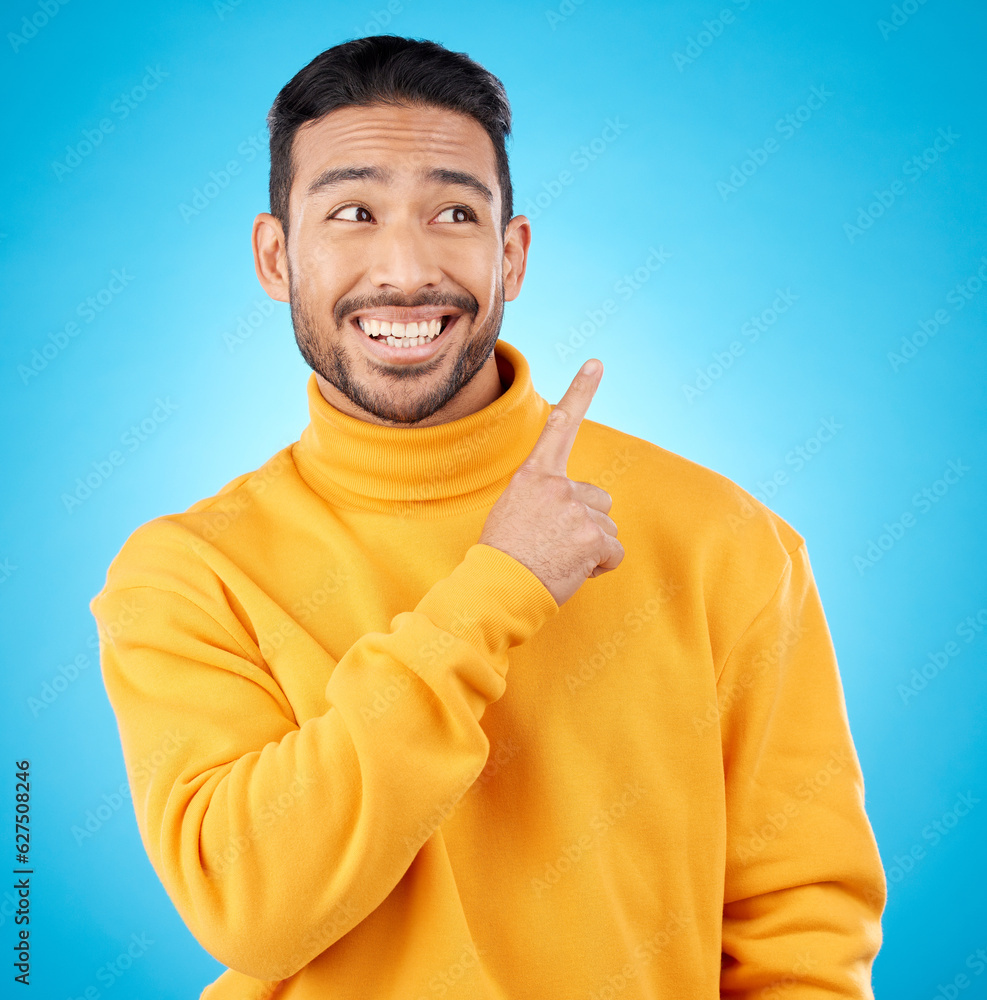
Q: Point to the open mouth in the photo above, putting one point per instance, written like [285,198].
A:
[405,335]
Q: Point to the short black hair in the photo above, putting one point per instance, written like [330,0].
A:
[387,69]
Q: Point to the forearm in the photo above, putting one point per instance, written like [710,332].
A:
[275,839]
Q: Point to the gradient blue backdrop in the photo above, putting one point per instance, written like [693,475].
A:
[119,113]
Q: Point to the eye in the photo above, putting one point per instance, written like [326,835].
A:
[338,214]
[467,212]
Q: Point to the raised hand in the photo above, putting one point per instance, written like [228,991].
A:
[557,527]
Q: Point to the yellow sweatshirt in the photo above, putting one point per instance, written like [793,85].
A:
[371,758]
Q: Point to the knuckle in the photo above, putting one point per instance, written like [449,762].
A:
[576,511]
[558,490]
[589,534]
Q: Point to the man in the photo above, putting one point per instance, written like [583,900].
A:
[401,716]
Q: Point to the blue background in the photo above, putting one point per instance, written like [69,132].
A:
[692,103]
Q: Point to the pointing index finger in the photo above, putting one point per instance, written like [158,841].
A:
[551,450]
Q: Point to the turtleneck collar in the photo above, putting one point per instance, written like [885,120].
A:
[422,471]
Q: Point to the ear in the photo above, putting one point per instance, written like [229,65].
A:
[271,256]
[517,239]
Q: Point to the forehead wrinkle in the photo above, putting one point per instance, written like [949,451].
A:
[375,141]
[434,134]
[437,133]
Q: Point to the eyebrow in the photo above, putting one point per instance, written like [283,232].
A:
[334,176]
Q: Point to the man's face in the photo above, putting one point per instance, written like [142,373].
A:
[395,218]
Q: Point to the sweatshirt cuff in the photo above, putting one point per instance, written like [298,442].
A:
[490,600]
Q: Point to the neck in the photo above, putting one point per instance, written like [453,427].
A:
[461,464]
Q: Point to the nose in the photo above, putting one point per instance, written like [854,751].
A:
[403,257]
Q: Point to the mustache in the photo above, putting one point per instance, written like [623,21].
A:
[462,303]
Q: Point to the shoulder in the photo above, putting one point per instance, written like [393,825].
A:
[691,513]
[184,551]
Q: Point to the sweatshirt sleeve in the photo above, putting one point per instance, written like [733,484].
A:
[804,888]
[273,840]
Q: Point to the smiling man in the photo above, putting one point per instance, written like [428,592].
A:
[396,307]
[401,716]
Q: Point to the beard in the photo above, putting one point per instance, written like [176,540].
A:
[367,383]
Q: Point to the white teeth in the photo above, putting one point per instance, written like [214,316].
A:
[401,334]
